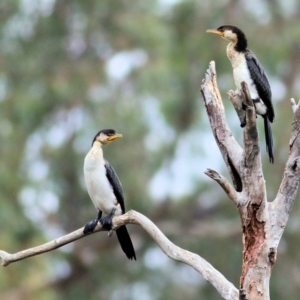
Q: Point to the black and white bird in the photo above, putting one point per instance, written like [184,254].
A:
[105,189]
[247,68]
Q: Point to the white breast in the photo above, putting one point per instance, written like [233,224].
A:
[240,71]
[98,187]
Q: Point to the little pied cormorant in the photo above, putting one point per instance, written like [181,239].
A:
[247,68]
[105,189]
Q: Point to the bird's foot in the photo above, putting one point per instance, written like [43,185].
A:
[90,226]
[243,123]
[107,221]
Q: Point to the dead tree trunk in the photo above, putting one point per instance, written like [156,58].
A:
[263,222]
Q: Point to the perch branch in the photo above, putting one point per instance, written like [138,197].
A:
[236,100]
[263,222]
[229,147]
[250,111]
[246,171]
[225,288]
[251,142]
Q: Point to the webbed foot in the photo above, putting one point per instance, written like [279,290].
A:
[90,226]
[106,222]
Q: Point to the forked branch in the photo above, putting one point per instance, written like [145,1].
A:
[263,222]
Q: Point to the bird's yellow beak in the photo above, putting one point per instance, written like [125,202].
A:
[114,137]
[215,31]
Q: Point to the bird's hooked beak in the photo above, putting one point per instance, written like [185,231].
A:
[114,137]
[215,31]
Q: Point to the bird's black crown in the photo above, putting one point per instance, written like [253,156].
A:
[242,43]
[108,132]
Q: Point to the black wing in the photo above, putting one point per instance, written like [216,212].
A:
[115,184]
[261,82]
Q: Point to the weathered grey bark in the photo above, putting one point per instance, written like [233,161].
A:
[226,289]
[263,222]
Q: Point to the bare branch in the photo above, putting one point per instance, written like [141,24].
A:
[225,288]
[280,208]
[296,122]
[251,142]
[294,105]
[250,111]
[290,181]
[222,285]
[8,258]
[236,100]
[225,184]
[246,171]
[263,222]
[229,147]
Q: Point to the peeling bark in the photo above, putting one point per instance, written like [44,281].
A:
[262,222]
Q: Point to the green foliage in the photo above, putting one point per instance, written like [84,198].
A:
[71,68]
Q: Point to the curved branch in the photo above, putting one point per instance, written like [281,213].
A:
[225,185]
[225,288]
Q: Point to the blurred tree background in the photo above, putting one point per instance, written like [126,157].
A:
[70,68]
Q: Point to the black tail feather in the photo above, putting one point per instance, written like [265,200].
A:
[125,242]
[269,138]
